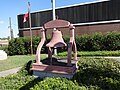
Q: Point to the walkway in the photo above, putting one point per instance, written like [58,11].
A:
[8,72]
[115,58]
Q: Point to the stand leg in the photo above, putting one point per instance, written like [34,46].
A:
[50,54]
[69,54]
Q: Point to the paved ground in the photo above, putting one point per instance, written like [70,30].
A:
[115,58]
[15,70]
[8,72]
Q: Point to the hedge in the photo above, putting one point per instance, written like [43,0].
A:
[56,84]
[95,42]
[98,41]
[21,46]
[92,74]
[101,72]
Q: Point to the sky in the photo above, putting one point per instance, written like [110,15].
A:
[12,8]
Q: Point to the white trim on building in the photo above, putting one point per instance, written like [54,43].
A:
[81,24]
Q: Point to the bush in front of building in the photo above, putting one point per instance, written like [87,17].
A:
[16,47]
[111,41]
[21,46]
[98,42]
[95,42]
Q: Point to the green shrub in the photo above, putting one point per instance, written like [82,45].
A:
[16,47]
[111,41]
[92,74]
[103,73]
[57,84]
[21,46]
[15,82]
[96,42]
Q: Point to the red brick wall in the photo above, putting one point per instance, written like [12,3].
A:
[79,30]
[97,28]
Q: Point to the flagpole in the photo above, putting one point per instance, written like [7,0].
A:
[30,28]
[53,9]
[54,18]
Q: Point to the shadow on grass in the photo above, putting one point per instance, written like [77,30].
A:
[31,84]
[25,70]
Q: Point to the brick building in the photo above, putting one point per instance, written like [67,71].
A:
[88,18]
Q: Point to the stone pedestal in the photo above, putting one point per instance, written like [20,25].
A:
[58,68]
[3,55]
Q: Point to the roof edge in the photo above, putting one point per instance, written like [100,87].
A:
[98,1]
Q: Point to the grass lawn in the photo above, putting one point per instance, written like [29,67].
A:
[16,61]
[93,53]
[20,60]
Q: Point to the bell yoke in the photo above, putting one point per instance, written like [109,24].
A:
[57,40]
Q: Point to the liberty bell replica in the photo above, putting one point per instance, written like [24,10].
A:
[64,67]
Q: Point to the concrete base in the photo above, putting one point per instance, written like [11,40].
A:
[58,68]
[43,74]
[3,55]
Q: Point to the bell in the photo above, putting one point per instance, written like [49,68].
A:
[57,40]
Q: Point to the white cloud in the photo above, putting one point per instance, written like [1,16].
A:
[1,22]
